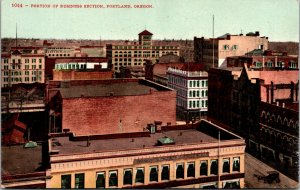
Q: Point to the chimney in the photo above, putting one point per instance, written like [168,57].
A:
[158,125]
[257,33]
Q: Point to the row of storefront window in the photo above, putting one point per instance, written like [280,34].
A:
[153,173]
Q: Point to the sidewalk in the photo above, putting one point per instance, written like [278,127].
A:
[255,166]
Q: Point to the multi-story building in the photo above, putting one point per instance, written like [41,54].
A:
[191,84]
[264,60]
[71,63]
[81,71]
[239,96]
[121,105]
[22,65]
[213,52]
[136,54]
[278,134]
[58,51]
[159,157]
[93,51]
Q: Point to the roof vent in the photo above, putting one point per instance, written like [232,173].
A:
[165,141]
[30,144]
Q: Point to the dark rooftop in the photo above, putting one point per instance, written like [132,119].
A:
[109,89]
[19,160]
[179,136]
[202,132]
[145,32]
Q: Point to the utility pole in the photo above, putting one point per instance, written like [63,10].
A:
[213,33]
[219,162]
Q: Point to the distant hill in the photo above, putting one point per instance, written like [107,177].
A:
[292,48]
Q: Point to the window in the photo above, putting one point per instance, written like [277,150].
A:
[206,93]
[198,94]
[26,60]
[226,165]
[127,178]
[5,67]
[203,168]
[5,60]
[206,82]
[153,174]
[203,83]
[231,184]
[165,173]
[194,83]
[269,64]
[214,167]
[26,66]
[40,66]
[258,64]
[27,79]
[66,181]
[100,180]
[194,93]
[191,93]
[33,61]
[139,177]
[234,47]
[79,181]
[236,164]
[113,178]
[26,72]
[191,83]
[202,93]
[226,47]
[198,83]
[190,104]
[191,169]
[33,67]
[179,171]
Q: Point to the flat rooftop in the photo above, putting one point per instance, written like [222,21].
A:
[18,160]
[111,88]
[65,146]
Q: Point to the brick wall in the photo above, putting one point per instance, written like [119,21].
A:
[107,115]
[77,75]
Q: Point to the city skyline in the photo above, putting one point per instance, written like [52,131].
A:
[166,19]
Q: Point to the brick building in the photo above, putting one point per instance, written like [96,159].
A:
[159,157]
[237,97]
[136,53]
[264,60]
[72,63]
[191,83]
[109,106]
[226,46]
[81,71]
[158,72]
[22,65]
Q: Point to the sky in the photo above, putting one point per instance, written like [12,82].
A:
[167,19]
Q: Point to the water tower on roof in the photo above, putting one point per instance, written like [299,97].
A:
[145,38]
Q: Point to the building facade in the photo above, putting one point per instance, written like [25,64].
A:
[122,105]
[59,51]
[150,159]
[213,52]
[191,84]
[240,98]
[264,60]
[22,65]
[136,53]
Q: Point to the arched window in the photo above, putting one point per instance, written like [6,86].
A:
[214,167]
[203,168]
